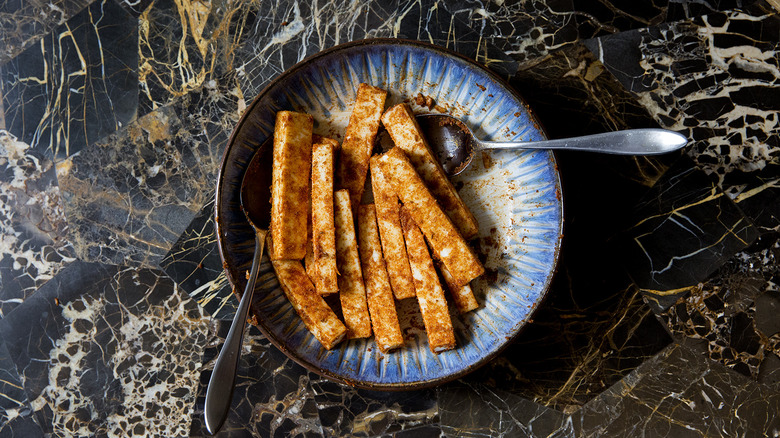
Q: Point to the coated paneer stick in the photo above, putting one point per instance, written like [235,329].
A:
[447,244]
[391,233]
[310,306]
[290,184]
[462,296]
[352,292]
[403,129]
[322,222]
[430,295]
[359,141]
[381,305]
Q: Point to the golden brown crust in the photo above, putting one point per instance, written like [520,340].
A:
[290,184]
[381,306]
[447,244]
[322,222]
[359,140]
[462,296]
[403,128]
[310,306]
[391,233]
[352,292]
[430,295]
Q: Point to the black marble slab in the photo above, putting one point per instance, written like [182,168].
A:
[111,286]
[196,266]
[16,414]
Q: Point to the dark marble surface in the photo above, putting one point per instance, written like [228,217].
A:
[661,320]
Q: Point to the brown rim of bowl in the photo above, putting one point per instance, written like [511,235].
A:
[328,374]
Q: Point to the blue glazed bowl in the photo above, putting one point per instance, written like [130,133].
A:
[515,196]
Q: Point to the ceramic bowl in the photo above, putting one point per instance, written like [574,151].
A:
[515,196]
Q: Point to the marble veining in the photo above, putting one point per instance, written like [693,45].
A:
[726,79]
[23,23]
[113,301]
[280,37]
[732,312]
[34,243]
[683,229]
[117,357]
[680,393]
[272,397]
[152,179]
[194,263]
[77,85]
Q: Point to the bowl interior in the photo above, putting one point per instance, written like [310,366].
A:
[515,197]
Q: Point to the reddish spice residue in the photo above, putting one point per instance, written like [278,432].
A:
[481,87]
[200,265]
[487,161]
[424,101]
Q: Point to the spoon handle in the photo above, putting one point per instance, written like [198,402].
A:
[219,393]
[627,142]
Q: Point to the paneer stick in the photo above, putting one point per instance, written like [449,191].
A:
[462,296]
[315,313]
[391,233]
[290,184]
[308,259]
[381,305]
[447,244]
[322,222]
[430,295]
[359,141]
[403,129]
[352,292]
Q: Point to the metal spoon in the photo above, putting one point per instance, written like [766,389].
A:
[255,202]
[455,144]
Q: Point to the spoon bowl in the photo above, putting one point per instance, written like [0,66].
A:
[455,145]
[256,205]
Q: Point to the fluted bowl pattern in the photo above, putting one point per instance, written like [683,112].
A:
[515,196]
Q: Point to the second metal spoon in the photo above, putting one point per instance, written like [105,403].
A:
[456,145]
[255,202]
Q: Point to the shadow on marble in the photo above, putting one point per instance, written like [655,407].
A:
[493,412]
[348,411]
[681,232]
